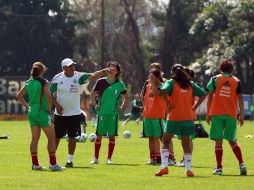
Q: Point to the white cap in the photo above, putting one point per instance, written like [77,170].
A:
[67,62]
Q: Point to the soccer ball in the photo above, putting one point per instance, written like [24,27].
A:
[77,138]
[126,134]
[83,137]
[66,137]
[92,137]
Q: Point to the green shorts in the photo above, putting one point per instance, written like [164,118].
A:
[153,127]
[223,127]
[41,118]
[107,125]
[180,128]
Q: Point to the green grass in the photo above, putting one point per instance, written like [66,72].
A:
[129,170]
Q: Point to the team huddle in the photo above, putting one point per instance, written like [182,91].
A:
[169,109]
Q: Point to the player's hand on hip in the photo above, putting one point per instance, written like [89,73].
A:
[59,109]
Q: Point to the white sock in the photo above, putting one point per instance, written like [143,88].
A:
[164,158]
[187,160]
[70,158]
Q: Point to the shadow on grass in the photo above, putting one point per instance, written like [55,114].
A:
[202,167]
[80,167]
[234,175]
[184,177]
[124,164]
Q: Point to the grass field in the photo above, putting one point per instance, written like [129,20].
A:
[128,171]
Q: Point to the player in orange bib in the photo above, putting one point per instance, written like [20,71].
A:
[222,107]
[180,121]
[154,114]
[157,156]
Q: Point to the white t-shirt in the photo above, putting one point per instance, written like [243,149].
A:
[68,91]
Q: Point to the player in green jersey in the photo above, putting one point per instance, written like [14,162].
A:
[38,107]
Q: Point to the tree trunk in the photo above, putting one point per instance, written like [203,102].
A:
[103,40]
[167,50]
[136,52]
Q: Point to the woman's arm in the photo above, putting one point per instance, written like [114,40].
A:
[20,97]
[49,97]
[125,102]
[209,101]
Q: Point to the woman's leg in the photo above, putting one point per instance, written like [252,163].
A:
[166,139]
[157,149]
[36,132]
[152,148]
[186,143]
[111,146]
[219,152]
[50,133]
[97,146]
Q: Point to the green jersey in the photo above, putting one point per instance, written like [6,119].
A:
[169,87]
[109,94]
[36,94]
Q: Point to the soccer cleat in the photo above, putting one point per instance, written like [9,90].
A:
[171,162]
[217,171]
[109,161]
[162,171]
[243,169]
[189,173]
[151,162]
[40,168]
[56,168]
[181,163]
[69,164]
[94,161]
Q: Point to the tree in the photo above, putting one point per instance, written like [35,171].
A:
[125,27]
[230,29]
[177,45]
[40,30]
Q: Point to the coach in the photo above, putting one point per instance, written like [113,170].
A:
[65,88]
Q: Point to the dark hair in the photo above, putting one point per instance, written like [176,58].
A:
[180,76]
[37,69]
[190,72]
[156,65]
[157,74]
[118,68]
[226,66]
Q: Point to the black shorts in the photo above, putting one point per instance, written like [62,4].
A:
[67,125]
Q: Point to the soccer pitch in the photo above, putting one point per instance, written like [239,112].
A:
[128,170]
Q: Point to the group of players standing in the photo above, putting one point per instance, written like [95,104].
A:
[173,98]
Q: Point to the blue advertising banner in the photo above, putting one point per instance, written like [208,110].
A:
[247,104]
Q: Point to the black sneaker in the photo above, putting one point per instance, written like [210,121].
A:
[69,165]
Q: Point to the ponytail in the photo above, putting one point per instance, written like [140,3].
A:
[180,76]
[37,69]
